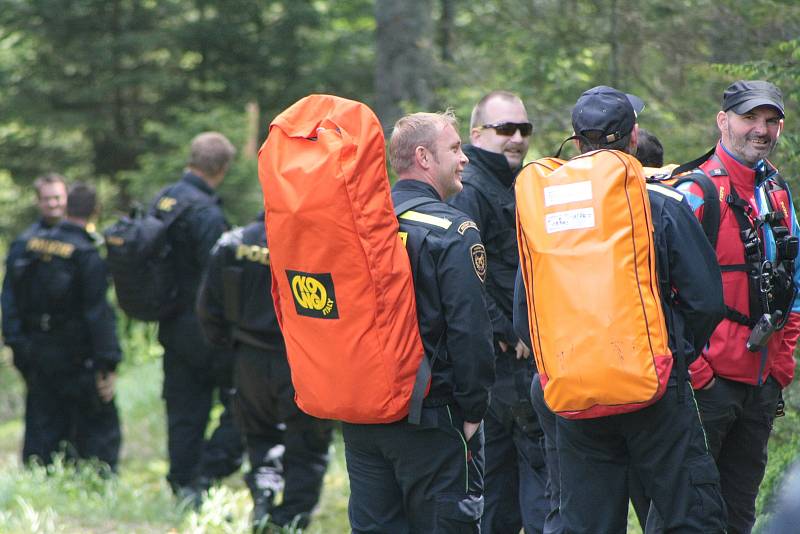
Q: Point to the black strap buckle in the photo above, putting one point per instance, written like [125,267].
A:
[780,407]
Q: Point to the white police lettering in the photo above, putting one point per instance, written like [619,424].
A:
[563,194]
[569,220]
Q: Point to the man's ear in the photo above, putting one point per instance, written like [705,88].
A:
[421,156]
[475,135]
[722,121]
[780,129]
[634,143]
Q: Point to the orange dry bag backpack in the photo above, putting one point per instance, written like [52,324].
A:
[587,255]
[341,278]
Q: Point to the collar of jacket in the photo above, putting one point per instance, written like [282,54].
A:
[424,190]
[71,227]
[491,164]
[195,181]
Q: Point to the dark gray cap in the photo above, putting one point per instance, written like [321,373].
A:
[607,110]
[744,95]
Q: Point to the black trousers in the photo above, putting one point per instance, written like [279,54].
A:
[738,420]
[287,448]
[666,446]
[553,523]
[418,479]
[192,374]
[516,476]
[63,410]
[547,419]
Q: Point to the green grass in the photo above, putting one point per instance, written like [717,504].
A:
[68,499]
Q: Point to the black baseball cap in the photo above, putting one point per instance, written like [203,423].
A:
[744,95]
[607,110]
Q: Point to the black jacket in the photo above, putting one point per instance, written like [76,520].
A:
[448,263]
[234,302]
[13,334]
[193,235]
[488,198]
[686,263]
[60,283]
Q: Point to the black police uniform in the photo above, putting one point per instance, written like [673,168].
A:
[425,477]
[193,369]
[63,332]
[283,443]
[516,476]
[13,335]
[664,442]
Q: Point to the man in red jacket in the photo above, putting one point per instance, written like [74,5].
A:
[747,212]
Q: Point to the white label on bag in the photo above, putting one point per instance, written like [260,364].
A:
[562,194]
[569,220]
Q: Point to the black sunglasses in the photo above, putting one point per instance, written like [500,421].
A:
[508,128]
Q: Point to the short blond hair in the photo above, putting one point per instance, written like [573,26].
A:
[477,118]
[416,129]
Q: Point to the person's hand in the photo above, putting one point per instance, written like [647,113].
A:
[106,385]
[710,383]
[470,429]
[522,350]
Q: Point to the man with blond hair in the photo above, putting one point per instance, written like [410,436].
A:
[51,200]
[428,477]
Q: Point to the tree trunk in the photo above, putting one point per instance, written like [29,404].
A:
[404,63]
[446,29]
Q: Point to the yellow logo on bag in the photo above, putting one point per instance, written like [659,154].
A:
[309,292]
[313,294]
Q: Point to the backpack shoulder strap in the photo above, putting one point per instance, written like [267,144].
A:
[168,217]
[411,204]
[425,365]
[694,164]
[711,209]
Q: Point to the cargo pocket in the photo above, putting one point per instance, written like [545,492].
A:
[458,513]
[532,449]
[707,506]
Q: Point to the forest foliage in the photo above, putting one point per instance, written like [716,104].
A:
[111,91]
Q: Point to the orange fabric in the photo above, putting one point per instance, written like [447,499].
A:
[585,237]
[341,278]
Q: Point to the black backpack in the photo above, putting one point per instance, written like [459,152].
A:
[140,263]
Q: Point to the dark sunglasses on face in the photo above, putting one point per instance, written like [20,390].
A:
[508,128]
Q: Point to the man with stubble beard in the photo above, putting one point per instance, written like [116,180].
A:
[737,386]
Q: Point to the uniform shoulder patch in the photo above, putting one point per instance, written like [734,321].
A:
[166,203]
[466,225]
[478,254]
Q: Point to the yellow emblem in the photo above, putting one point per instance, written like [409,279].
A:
[166,203]
[313,294]
[50,247]
[253,253]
